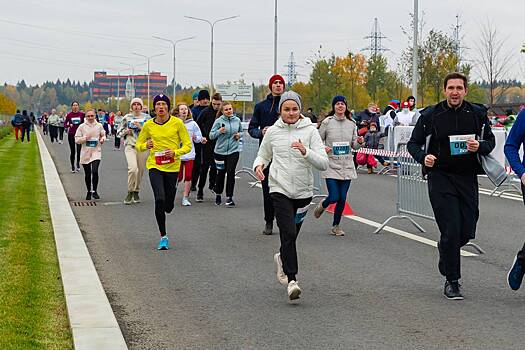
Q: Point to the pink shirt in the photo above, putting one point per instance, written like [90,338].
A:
[89,136]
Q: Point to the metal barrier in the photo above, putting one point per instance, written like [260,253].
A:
[250,147]
[412,194]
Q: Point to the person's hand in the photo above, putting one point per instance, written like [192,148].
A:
[149,144]
[472,145]
[237,136]
[169,152]
[101,140]
[523,179]
[430,160]
[327,149]
[264,130]
[204,140]
[298,145]
[222,130]
[259,172]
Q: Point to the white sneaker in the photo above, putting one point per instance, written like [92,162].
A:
[293,290]
[281,277]
[185,202]
[319,210]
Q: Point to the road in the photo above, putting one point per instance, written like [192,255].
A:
[216,287]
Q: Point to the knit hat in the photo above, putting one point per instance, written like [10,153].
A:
[394,104]
[339,98]
[195,96]
[162,97]
[290,95]
[136,99]
[274,78]
[203,95]
[373,124]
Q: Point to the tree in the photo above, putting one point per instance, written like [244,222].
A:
[7,105]
[376,75]
[493,61]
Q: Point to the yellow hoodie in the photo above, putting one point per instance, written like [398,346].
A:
[173,135]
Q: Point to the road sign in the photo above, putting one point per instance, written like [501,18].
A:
[235,92]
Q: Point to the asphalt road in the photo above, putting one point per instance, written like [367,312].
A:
[216,287]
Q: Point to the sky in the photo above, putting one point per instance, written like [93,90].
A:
[49,39]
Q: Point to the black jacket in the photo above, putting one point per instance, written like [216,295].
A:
[365,118]
[441,121]
[265,113]
[206,119]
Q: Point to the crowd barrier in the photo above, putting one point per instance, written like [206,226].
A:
[249,149]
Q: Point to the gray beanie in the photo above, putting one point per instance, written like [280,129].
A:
[290,95]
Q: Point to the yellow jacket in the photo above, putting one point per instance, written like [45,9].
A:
[173,135]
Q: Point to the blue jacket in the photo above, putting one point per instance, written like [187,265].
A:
[226,144]
[196,111]
[515,139]
[265,113]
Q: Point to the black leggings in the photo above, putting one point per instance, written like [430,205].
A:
[72,147]
[164,186]
[91,174]
[61,133]
[53,132]
[230,164]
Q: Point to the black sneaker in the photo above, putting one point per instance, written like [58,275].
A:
[268,229]
[218,199]
[230,202]
[200,197]
[452,291]
[95,195]
[88,196]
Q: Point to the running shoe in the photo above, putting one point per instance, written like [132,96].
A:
[88,196]
[95,195]
[129,198]
[136,198]
[163,243]
[200,197]
[281,277]
[337,231]
[230,202]
[268,229]
[293,290]
[319,210]
[218,199]
[73,171]
[452,291]
[185,202]
[77,170]
[516,272]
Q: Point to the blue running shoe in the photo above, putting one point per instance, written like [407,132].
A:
[515,275]
[163,243]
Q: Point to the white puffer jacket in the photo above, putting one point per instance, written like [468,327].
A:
[290,171]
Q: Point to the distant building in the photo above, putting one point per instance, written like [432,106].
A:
[105,86]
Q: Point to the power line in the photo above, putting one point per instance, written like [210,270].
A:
[291,75]
[375,37]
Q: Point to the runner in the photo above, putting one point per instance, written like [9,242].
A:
[227,131]
[203,100]
[129,129]
[265,114]
[339,134]
[117,119]
[16,122]
[515,141]
[26,125]
[90,135]
[183,112]
[73,120]
[167,139]
[206,119]
[450,157]
[61,120]
[294,147]
[54,121]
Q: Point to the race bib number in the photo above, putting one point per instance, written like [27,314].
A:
[162,159]
[219,164]
[301,214]
[75,121]
[131,124]
[340,148]
[92,143]
[458,144]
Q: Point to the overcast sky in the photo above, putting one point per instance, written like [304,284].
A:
[49,39]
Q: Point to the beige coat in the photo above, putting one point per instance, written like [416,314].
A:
[333,129]
[86,135]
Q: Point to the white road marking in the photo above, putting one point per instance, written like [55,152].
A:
[402,233]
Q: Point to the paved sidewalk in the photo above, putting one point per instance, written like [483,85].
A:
[93,323]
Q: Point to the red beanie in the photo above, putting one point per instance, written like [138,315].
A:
[406,104]
[274,78]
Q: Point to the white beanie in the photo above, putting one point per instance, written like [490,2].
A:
[136,99]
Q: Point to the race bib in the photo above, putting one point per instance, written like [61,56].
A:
[219,164]
[340,148]
[92,143]
[301,214]
[75,121]
[458,144]
[131,124]
[162,159]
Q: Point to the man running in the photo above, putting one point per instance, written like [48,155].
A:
[73,121]
[203,99]
[265,114]
[167,139]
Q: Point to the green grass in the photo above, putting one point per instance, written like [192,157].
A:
[32,306]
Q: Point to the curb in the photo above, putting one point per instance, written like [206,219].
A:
[91,318]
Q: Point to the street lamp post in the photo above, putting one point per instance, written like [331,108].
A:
[148,58]
[174,43]
[212,26]
[415,51]
[275,41]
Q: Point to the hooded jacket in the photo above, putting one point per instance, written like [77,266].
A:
[226,144]
[127,123]
[265,113]
[195,136]
[291,172]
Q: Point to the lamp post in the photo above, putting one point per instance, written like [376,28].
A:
[275,41]
[212,26]
[148,58]
[174,43]
[415,51]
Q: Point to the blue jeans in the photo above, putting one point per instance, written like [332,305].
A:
[337,190]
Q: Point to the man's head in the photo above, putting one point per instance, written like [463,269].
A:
[276,85]
[162,105]
[216,101]
[455,86]
[203,97]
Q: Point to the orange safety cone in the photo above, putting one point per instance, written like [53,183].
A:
[346,211]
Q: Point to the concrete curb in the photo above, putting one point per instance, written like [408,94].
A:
[92,321]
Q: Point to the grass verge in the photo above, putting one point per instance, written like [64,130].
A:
[32,305]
